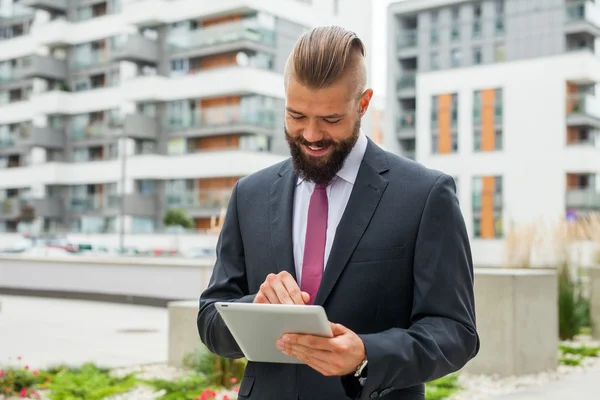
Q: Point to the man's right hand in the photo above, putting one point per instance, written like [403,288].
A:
[281,289]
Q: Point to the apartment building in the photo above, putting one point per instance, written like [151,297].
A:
[113,111]
[504,96]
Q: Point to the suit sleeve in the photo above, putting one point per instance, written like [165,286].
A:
[227,283]
[442,337]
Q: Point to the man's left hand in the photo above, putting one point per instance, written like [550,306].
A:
[336,356]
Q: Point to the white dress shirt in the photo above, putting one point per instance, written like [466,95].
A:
[338,193]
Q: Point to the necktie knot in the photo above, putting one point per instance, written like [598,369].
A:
[320,186]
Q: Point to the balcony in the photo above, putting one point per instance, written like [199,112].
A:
[406,84]
[16,11]
[135,48]
[224,37]
[406,43]
[90,59]
[405,125]
[85,204]
[200,203]
[135,204]
[55,33]
[96,132]
[10,208]
[222,120]
[48,207]
[582,17]
[588,199]
[146,13]
[60,6]
[583,109]
[46,67]
[140,126]
[41,136]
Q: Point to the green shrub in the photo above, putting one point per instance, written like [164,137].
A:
[19,381]
[583,351]
[87,383]
[219,371]
[573,307]
[442,388]
[189,387]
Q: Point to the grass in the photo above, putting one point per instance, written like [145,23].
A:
[574,355]
[442,388]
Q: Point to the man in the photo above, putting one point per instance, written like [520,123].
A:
[377,240]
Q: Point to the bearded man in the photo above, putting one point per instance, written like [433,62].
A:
[376,239]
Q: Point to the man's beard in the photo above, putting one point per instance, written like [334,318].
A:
[313,168]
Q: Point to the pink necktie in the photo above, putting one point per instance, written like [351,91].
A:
[314,244]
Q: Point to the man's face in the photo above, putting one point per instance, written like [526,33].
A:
[321,127]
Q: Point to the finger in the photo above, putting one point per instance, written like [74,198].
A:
[306,353]
[305,297]
[292,288]
[281,291]
[260,298]
[321,361]
[267,289]
[338,329]
[315,342]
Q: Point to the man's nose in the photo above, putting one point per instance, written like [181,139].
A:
[312,134]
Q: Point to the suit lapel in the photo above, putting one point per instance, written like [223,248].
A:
[365,196]
[281,208]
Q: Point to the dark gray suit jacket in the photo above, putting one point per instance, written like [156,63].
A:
[399,274]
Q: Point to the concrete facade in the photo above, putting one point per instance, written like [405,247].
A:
[183,331]
[125,86]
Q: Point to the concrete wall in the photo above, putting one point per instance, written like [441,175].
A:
[517,320]
[183,331]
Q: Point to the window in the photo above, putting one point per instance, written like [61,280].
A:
[455,27]
[435,61]
[500,52]
[476,20]
[455,58]
[434,29]
[487,207]
[487,125]
[477,56]
[444,123]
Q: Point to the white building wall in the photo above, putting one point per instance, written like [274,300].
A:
[535,158]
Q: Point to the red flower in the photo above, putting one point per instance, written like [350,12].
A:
[233,380]
[226,397]
[27,367]
[23,392]
[19,358]
[1,373]
[236,389]
[36,372]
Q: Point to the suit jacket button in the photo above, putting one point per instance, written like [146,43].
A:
[385,392]
[374,395]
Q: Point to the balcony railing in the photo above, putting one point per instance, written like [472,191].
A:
[406,120]
[7,142]
[247,29]
[407,80]
[223,116]
[207,199]
[407,39]
[587,104]
[86,203]
[586,11]
[16,11]
[90,59]
[583,198]
[96,131]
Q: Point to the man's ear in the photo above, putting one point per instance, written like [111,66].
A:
[365,100]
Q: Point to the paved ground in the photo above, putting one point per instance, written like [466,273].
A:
[47,332]
[584,386]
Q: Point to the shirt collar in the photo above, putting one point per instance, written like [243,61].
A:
[349,170]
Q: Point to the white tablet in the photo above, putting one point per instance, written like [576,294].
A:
[257,327]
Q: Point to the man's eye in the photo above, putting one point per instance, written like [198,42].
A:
[297,116]
[332,121]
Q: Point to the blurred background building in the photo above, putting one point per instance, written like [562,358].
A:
[113,111]
[503,95]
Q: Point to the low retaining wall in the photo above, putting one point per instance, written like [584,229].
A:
[151,281]
[517,320]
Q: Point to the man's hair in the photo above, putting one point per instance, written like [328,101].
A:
[324,55]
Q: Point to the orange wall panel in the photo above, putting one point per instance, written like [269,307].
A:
[220,20]
[445,123]
[571,93]
[487,208]
[488,132]
[217,61]
[219,142]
